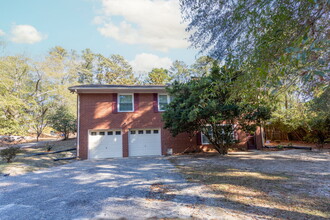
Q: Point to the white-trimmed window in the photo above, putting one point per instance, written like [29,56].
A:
[125,102]
[163,101]
[206,141]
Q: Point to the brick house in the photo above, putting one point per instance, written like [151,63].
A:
[122,121]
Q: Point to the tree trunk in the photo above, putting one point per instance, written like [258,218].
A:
[38,135]
[223,150]
[65,134]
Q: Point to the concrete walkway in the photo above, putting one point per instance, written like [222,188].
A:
[131,188]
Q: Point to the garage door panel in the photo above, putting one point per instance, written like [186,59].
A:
[105,144]
[144,142]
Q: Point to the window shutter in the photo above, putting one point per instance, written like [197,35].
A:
[136,102]
[199,138]
[155,102]
[114,102]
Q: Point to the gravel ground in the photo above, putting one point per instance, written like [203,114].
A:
[131,188]
[310,167]
[291,184]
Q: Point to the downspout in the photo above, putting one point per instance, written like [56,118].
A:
[78,122]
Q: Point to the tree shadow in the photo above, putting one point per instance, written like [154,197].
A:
[114,188]
[253,190]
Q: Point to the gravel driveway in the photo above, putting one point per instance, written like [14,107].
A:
[132,188]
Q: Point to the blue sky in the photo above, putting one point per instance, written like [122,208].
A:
[147,33]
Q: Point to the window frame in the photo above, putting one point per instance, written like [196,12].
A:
[168,101]
[202,134]
[118,101]
[233,134]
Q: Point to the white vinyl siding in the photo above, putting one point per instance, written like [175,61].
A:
[125,102]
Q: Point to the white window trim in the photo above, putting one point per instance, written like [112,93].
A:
[168,100]
[207,143]
[118,101]
[204,143]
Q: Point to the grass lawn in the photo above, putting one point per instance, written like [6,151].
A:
[269,185]
[23,163]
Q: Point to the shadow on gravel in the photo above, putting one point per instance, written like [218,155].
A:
[265,186]
[118,187]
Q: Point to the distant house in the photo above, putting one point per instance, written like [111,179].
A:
[123,121]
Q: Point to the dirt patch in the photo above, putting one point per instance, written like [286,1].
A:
[24,163]
[290,184]
[296,143]
[160,191]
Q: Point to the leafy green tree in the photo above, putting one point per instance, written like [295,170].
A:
[281,46]
[14,94]
[158,76]
[40,103]
[114,70]
[59,71]
[319,118]
[202,66]
[63,121]
[180,71]
[227,28]
[86,72]
[204,105]
[268,40]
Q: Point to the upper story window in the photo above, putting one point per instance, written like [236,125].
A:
[125,102]
[163,101]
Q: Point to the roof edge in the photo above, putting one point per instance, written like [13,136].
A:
[115,87]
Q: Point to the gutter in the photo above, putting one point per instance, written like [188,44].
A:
[78,123]
[75,89]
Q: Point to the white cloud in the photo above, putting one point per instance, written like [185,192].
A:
[26,34]
[156,23]
[2,33]
[145,62]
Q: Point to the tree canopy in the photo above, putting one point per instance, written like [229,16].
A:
[63,121]
[158,76]
[280,46]
[30,89]
[270,40]
[203,105]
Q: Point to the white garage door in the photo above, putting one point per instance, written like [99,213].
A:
[144,142]
[105,144]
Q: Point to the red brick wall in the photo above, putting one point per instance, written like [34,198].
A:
[99,111]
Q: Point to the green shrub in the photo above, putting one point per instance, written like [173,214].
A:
[319,131]
[9,153]
[49,146]
[279,146]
